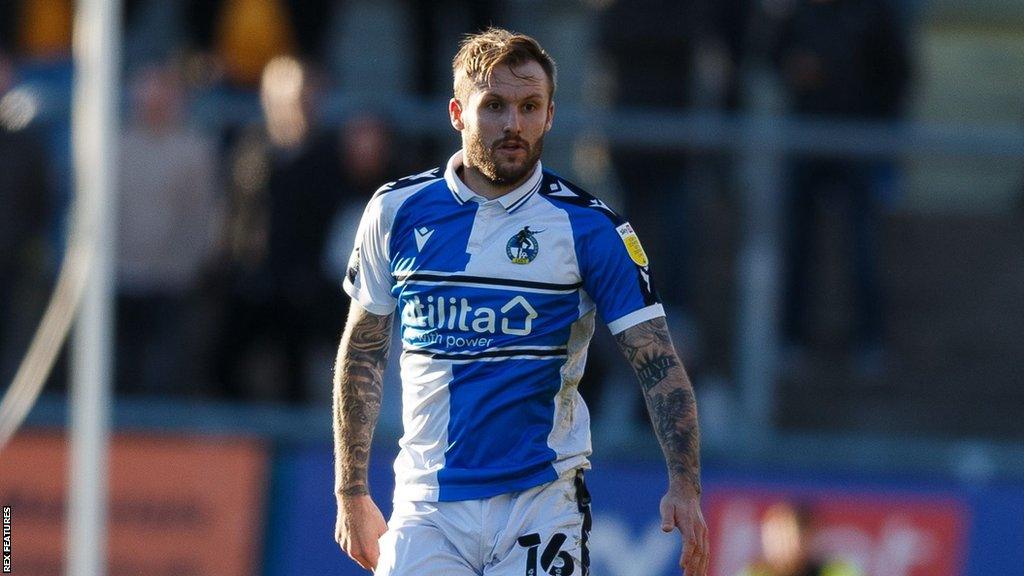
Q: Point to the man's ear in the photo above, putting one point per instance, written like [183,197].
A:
[455,114]
[551,116]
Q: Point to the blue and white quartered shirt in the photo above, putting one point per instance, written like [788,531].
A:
[497,301]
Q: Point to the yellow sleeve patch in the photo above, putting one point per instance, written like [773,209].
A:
[632,242]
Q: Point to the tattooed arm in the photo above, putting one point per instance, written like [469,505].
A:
[673,411]
[358,384]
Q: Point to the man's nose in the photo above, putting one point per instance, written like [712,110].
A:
[512,122]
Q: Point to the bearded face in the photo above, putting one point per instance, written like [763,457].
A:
[503,124]
[505,161]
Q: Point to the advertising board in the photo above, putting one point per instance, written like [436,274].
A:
[183,506]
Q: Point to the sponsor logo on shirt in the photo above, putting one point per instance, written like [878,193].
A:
[514,318]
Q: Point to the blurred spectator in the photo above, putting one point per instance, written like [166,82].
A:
[366,155]
[367,161]
[720,38]
[282,307]
[27,199]
[651,60]
[167,222]
[843,59]
[366,164]
[787,533]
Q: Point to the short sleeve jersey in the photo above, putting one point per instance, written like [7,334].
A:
[497,301]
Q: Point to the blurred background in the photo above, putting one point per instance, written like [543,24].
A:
[831,193]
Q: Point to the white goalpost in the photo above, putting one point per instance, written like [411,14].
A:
[97,48]
[84,290]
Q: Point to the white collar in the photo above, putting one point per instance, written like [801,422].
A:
[509,201]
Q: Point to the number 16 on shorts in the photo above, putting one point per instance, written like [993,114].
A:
[553,560]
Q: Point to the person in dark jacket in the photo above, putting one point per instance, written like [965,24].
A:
[842,60]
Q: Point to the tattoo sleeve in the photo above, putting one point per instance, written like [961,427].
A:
[669,397]
[358,385]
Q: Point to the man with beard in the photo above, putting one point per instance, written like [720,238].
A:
[498,269]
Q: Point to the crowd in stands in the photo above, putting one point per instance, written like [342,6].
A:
[232,240]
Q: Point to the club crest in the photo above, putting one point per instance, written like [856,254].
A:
[523,247]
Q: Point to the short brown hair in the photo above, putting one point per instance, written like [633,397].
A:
[480,53]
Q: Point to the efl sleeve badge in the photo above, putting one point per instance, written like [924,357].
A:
[632,242]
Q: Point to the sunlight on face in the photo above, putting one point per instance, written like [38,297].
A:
[505,122]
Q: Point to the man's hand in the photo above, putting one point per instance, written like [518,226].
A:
[683,512]
[360,524]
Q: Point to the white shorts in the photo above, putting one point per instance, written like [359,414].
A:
[539,531]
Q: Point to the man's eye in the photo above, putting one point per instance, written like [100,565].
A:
[494,105]
[530,107]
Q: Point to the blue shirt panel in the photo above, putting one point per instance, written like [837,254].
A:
[433,208]
[498,428]
[616,284]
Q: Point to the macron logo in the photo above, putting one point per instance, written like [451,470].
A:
[422,235]
[557,190]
